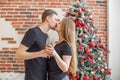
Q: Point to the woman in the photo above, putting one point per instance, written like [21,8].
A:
[64,53]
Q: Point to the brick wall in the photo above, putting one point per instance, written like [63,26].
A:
[20,15]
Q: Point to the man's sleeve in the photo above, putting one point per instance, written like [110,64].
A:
[29,38]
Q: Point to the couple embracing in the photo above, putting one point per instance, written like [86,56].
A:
[45,61]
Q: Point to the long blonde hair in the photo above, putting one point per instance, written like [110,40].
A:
[68,34]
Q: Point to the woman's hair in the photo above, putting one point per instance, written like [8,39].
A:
[47,12]
[68,34]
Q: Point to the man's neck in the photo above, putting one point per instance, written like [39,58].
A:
[44,27]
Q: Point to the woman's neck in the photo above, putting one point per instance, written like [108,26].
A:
[60,37]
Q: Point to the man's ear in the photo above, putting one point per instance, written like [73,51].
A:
[47,18]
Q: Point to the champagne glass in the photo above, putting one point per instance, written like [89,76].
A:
[50,41]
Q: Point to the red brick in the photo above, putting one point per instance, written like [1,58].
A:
[5,49]
[7,9]
[2,61]
[8,19]
[51,0]
[12,42]
[13,49]
[7,38]
[55,3]
[64,0]
[19,16]
[12,12]
[21,32]
[6,16]
[1,13]
[6,71]
[12,62]
[16,23]
[4,64]
[39,0]
[43,3]
[30,22]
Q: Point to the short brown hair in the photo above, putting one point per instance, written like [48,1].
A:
[46,13]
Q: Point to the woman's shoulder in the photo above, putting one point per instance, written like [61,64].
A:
[65,44]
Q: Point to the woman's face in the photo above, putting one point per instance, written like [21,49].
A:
[58,28]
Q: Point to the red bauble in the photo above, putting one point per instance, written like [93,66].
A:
[77,22]
[86,78]
[109,72]
[72,78]
[87,50]
[67,15]
[82,25]
[77,76]
[79,13]
[80,47]
[91,19]
[99,79]
[100,41]
[92,56]
[81,61]
[92,44]
[83,9]
[68,73]
[96,45]
[94,78]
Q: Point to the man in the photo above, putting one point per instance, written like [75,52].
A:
[32,47]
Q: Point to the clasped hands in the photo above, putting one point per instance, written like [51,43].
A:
[48,51]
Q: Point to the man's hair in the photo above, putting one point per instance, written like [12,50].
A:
[47,12]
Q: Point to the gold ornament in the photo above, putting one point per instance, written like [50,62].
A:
[81,29]
[102,70]
[92,72]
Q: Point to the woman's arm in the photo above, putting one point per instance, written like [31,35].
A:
[63,63]
[21,53]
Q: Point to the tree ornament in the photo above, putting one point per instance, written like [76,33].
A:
[99,79]
[86,78]
[72,78]
[87,51]
[83,9]
[90,16]
[92,56]
[102,70]
[88,10]
[92,72]
[77,76]
[80,47]
[94,78]
[68,73]
[100,41]
[91,44]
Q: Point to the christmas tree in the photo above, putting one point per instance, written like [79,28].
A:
[92,62]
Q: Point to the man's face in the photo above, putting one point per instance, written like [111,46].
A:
[53,20]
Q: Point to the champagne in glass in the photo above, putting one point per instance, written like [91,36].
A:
[50,41]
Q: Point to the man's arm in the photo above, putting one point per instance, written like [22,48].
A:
[21,53]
